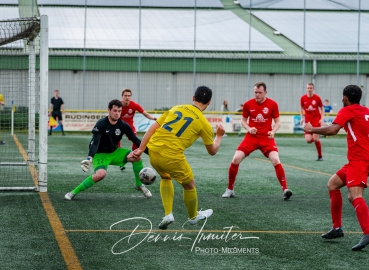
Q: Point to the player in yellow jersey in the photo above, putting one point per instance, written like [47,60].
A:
[167,138]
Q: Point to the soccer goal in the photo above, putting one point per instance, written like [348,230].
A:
[23,110]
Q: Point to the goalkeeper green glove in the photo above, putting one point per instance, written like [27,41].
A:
[85,164]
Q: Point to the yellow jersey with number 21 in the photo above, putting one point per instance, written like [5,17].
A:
[179,128]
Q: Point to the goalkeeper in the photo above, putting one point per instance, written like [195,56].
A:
[104,150]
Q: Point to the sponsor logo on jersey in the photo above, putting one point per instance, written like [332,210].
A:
[117,132]
[259,118]
[310,108]
[107,131]
[95,129]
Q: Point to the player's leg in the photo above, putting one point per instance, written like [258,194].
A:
[356,178]
[335,183]
[100,163]
[280,173]
[121,158]
[318,146]
[244,149]
[159,163]
[185,177]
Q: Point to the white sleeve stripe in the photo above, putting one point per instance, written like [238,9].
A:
[351,131]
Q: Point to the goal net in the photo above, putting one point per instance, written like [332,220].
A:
[23,104]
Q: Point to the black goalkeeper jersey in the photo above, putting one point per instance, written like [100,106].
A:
[106,136]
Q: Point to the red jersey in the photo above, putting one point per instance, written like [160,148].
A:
[261,115]
[311,107]
[128,113]
[355,120]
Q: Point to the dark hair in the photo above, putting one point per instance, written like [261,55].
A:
[311,84]
[126,90]
[258,84]
[353,93]
[203,94]
[115,102]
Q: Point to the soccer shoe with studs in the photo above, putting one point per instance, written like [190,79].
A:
[364,241]
[69,196]
[144,190]
[320,159]
[228,193]
[287,194]
[333,233]
[200,216]
[167,220]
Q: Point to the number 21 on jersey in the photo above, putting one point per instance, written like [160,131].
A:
[184,122]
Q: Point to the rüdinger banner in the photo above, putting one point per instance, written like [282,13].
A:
[81,121]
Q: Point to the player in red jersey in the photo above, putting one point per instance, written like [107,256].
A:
[312,107]
[354,118]
[129,109]
[257,116]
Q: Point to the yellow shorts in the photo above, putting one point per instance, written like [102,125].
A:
[176,168]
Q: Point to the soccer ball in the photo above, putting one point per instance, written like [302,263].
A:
[147,176]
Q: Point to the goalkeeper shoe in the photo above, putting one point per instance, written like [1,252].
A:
[333,233]
[228,193]
[69,196]
[2,142]
[200,216]
[144,190]
[364,241]
[168,219]
[287,194]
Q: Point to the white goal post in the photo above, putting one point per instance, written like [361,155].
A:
[24,89]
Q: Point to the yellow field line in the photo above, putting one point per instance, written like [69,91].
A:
[66,249]
[31,168]
[204,231]
[297,168]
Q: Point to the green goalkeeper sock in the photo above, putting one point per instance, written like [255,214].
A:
[137,167]
[87,183]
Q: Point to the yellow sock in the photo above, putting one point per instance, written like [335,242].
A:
[191,202]
[167,195]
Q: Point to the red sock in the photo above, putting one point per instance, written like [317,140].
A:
[232,173]
[318,146]
[279,171]
[362,213]
[118,144]
[336,207]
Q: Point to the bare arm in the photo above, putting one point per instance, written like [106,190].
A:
[251,130]
[213,148]
[276,126]
[62,108]
[145,140]
[51,106]
[301,115]
[322,115]
[326,130]
[148,116]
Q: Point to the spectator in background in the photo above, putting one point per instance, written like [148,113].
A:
[327,108]
[57,110]
[224,107]
[241,108]
[2,103]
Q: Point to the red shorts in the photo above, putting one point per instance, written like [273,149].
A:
[356,172]
[251,143]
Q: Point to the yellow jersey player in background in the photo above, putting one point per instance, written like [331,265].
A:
[176,130]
